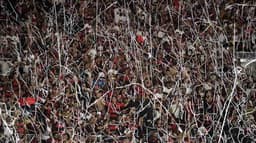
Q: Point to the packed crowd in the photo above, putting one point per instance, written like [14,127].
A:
[126,71]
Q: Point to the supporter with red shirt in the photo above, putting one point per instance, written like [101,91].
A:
[114,107]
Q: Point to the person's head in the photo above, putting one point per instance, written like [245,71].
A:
[200,91]
[113,99]
[123,91]
[119,98]
[126,140]
[66,137]
[209,96]
[98,93]
[148,82]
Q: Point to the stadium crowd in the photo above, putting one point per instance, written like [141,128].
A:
[126,71]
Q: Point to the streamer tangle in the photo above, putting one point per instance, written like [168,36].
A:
[121,71]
